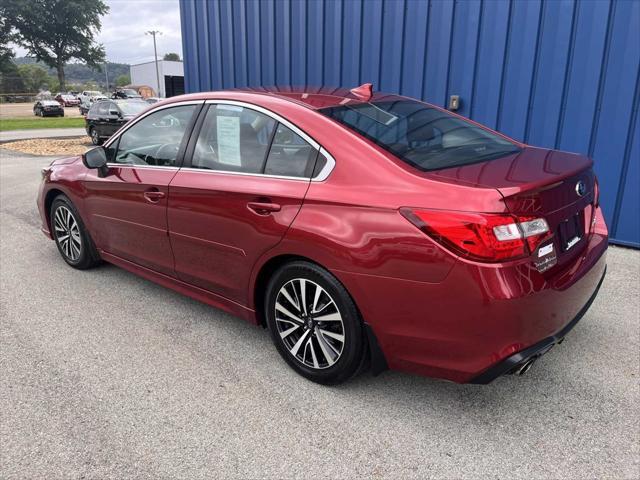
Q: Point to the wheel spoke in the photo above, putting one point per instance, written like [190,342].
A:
[333,335]
[303,294]
[326,350]
[313,353]
[316,297]
[331,317]
[292,301]
[289,331]
[299,343]
[282,309]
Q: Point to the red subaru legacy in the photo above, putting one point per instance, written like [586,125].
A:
[365,231]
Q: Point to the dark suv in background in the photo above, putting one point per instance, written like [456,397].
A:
[125,93]
[107,116]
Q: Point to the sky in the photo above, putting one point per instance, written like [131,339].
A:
[123,28]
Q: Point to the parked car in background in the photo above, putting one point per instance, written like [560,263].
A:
[365,230]
[152,100]
[48,108]
[86,102]
[107,116]
[67,100]
[125,93]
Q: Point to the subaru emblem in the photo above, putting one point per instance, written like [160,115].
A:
[581,188]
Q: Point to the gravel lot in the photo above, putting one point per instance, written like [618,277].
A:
[106,375]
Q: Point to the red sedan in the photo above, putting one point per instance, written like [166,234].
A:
[363,230]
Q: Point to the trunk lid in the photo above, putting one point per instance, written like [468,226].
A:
[536,182]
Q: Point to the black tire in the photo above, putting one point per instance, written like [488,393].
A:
[353,350]
[88,256]
[95,138]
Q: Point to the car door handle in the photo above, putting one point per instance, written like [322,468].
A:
[153,195]
[263,208]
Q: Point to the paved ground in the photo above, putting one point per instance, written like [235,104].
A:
[106,375]
[12,110]
[9,135]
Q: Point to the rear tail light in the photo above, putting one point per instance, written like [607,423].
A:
[596,193]
[481,236]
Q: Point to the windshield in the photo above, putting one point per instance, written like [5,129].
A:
[424,137]
[129,91]
[132,108]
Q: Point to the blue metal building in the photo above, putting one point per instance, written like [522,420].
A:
[560,73]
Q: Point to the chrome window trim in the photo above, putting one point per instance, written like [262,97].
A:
[147,167]
[244,174]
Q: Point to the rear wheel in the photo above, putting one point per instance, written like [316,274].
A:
[72,239]
[314,323]
[95,138]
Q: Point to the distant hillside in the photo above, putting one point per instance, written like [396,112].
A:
[79,73]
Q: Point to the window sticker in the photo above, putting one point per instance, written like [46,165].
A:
[228,130]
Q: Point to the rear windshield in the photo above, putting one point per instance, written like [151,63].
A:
[132,108]
[422,136]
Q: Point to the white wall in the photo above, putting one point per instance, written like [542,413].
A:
[145,74]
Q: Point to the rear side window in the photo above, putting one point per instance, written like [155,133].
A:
[422,136]
[290,155]
[238,139]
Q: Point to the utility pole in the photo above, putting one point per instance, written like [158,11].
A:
[106,76]
[153,33]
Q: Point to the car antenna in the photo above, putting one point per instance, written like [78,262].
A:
[363,92]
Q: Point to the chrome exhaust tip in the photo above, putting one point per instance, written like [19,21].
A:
[524,368]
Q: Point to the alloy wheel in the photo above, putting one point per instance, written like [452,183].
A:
[67,233]
[94,136]
[309,323]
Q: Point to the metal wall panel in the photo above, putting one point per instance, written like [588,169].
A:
[559,74]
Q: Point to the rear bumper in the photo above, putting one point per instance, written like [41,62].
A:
[481,320]
[523,357]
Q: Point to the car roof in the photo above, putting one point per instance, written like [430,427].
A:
[308,96]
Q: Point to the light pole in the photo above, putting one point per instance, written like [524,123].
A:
[106,76]
[153,33]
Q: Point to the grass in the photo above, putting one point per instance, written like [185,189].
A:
[26,123]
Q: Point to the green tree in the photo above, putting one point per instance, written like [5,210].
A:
[122,80]
[34,77]
[173,57]
[56,31]
[6,36]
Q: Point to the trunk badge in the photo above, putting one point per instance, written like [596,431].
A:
[581,188]
[572,242]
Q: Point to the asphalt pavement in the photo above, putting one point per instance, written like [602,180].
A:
[106,375]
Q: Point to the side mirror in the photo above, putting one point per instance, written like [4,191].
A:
[115,113]
[96,158]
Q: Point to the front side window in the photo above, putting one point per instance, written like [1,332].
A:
[422,136]
[239,139]
[155,140]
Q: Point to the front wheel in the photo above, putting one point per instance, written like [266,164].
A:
[72,239]
[314,323]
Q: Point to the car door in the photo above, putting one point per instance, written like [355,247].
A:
[224,212]
[128,206]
